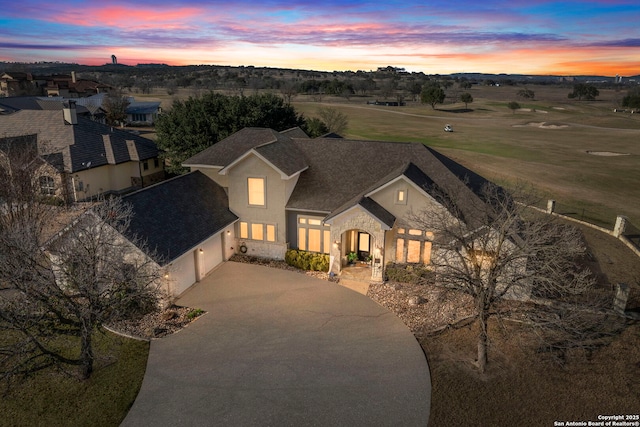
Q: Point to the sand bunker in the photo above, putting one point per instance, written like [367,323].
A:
[607,153]
[543,125]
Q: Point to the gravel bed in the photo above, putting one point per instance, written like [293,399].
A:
[157,325]
[423,308]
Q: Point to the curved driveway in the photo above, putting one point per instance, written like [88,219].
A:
[279,348]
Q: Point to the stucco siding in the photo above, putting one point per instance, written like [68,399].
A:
[182,273]
[273,211]
[415,200]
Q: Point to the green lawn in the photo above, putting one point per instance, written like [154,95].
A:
[50,398]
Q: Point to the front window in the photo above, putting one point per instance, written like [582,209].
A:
[256,191]
[413,246]
[47,186]
[313,235]
[257,231]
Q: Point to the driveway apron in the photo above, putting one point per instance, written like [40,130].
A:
[279,348]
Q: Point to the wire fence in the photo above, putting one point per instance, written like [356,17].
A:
[584,214]
[632,233]
[629,235]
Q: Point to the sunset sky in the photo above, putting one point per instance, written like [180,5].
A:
[434,36]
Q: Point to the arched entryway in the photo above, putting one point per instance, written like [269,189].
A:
[357,231]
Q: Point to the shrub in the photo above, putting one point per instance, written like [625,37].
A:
[195,313]
[415,274]
[307,260]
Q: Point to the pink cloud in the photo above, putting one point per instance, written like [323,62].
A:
[125,17]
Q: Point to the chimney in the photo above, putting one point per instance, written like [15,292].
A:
[69,112]
[73,76]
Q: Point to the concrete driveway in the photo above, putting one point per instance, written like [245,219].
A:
[278,348]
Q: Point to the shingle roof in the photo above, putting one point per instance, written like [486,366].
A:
[176,215]
[82,145]
[295,132]
[386,217]
[342,171]
[17,103]
[142,107]
[278,149]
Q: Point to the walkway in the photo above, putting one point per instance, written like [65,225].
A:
[280,348]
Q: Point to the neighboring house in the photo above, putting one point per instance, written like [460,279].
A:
[142,112]
[16,103]
[331,195]
[68,86]
[89,158]
[16,83]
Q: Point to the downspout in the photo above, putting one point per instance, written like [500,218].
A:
[140,172]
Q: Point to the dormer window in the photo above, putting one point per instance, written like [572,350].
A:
[256,191]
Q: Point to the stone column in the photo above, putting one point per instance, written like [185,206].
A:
[621,224]
[551,206]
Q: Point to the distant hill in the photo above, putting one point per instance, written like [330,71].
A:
[61,67]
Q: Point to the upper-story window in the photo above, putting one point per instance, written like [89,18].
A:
[256,191]
[401,197]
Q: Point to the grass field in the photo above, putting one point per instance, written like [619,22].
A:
[50,398]
[545,143]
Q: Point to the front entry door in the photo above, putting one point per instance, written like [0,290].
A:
[364,245]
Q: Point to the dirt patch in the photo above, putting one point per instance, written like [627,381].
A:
[607,153]
[522,387]
[543,125]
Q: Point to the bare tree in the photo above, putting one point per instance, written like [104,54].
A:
[55,295]
[495,250]
[289,90]
[335,120]
[115,106]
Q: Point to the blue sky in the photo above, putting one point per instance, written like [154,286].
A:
[529,37]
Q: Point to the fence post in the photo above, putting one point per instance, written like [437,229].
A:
[621,224]
[551,206]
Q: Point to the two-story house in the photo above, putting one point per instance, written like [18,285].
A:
[261,192]
[331,195]
[87,158]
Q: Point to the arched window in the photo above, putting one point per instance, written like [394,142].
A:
[47,186]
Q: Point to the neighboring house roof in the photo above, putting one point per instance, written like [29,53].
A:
[85,145]
[142,107]
[17,103]
[278,149]
[176,215]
